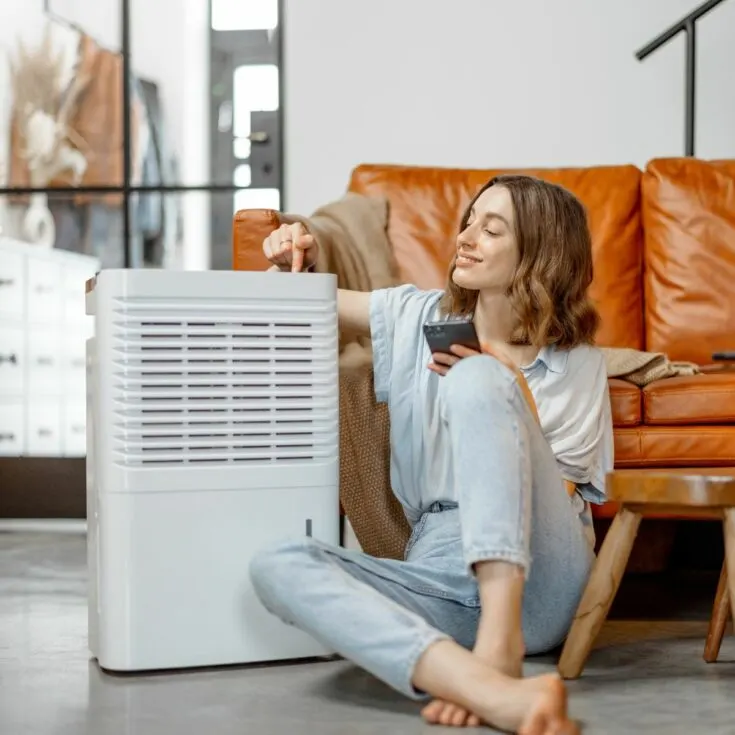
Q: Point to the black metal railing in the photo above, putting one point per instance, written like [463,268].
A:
[687,25]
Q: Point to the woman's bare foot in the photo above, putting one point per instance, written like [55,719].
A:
[535,706]
[506,659]
[547,715]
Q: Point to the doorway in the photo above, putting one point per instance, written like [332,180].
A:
[246,113]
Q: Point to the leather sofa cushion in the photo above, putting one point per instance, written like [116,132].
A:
[699,399]
[426,205]
[625,399]
[689,249]
[675,446]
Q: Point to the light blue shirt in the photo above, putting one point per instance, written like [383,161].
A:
[570,388]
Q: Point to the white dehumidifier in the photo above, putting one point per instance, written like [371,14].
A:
[212,433]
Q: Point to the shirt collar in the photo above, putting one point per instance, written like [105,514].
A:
[552,358]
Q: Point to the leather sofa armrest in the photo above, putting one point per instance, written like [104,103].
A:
[249,228]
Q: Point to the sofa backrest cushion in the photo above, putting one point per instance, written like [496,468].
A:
[688,209]
[426,205]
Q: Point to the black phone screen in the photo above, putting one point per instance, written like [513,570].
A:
[440,336]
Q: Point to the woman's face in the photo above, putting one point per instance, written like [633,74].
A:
[487,252]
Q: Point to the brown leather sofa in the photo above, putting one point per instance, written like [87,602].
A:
[664,249]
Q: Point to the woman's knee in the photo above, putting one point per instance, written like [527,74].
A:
[477,379]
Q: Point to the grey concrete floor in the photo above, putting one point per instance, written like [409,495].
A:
[643,677]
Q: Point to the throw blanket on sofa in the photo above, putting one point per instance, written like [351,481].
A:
[642,368]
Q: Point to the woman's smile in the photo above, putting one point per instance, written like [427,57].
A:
[464,261]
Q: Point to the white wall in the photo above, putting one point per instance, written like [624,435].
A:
[170,45]
[484,83]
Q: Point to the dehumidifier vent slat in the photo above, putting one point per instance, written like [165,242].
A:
[222,383]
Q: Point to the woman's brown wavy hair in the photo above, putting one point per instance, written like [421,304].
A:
[549,292]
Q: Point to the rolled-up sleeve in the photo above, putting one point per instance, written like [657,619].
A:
[389,308]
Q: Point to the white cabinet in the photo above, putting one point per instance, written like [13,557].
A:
[12,285]
[12,428]
[43,429]
[44,362]
[74,428]
[43,296]
[73,366]
[12,359]
[43,329]
[72,296]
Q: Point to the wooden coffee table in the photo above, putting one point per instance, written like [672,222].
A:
[686,493]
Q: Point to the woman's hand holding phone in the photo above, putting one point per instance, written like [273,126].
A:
[441,362]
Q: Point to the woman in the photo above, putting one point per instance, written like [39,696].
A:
[495,459]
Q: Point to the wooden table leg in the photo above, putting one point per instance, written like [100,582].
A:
[729,527]
[600,592]
[718,621]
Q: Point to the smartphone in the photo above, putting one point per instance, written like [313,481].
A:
[440,336]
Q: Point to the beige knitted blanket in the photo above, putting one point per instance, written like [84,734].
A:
[364,467]
[642,368]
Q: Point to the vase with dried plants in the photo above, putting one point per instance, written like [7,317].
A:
[43,108]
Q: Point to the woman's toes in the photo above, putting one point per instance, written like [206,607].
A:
[432,711]
[439,712]
[473,721]
[447,716]
[536,724]
[460,717]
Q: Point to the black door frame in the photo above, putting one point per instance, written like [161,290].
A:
[236,48]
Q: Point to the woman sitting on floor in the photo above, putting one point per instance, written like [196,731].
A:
[495,459]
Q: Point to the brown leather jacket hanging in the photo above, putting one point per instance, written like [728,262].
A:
[98,121]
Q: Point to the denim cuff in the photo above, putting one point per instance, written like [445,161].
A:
[475,555]
[421,647]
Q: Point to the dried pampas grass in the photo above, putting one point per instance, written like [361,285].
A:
[37,77]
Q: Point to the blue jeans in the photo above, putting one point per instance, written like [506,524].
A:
[382,614]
